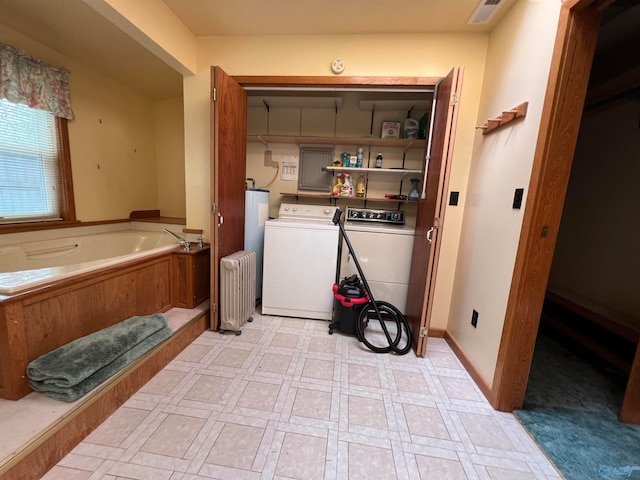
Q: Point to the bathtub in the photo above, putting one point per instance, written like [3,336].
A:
[31,264]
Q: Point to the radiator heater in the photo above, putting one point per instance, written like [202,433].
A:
[237,290]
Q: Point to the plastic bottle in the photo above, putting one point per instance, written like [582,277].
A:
[337,187]
[410,128]
[361,186]
[424,121]
[379,160]
[347,188]
[359,157]
[414,194]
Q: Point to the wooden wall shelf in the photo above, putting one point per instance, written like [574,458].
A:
[505,118]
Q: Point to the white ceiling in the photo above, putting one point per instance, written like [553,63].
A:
[329,17]
[76,30]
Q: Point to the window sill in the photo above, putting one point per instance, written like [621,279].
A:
[31,226]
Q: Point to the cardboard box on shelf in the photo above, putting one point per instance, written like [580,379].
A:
[390,129]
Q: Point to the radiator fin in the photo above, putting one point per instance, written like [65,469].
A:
[237,289]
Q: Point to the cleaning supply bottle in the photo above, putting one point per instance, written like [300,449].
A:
[424,121]
[379,160]
[361,186]
[359,157]
[414,194]
[410,128]
[337,187]
[347,188]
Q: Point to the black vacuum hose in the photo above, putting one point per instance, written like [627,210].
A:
[380,309]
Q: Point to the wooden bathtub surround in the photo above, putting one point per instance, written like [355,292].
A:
[37,321]
[190,276]
[45,451]
[153,216]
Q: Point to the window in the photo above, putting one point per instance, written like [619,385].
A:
[35,174]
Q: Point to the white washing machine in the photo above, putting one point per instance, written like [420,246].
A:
[300,262]
[384,246]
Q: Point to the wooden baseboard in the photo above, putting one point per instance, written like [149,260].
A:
[42,454]
[437,333]
[468,364]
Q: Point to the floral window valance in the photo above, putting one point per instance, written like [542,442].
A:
[29,81]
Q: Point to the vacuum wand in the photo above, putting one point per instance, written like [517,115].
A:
[378,307]
[365,284]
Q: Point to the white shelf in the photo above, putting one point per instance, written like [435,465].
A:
[376,170]
[405,143]
[395,105]
[293,102]
[338,197]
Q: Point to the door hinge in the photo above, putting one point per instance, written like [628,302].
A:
[214,308]
[423,332]
[214,208]
[436,223]
[454,99]
[214,94]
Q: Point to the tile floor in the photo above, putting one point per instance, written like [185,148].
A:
[285,400]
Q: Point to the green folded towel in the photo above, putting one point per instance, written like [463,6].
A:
[78,360]
[74,392]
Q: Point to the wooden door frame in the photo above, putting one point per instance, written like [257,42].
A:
[328,82]
[561,116]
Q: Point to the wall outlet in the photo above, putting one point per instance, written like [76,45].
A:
[474,319]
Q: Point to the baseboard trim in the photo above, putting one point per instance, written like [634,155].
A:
[437,332]
[44,452]
[483,384]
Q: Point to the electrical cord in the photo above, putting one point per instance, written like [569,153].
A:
[273,179]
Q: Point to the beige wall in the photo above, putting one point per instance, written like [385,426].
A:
[501,163]
[596,255]
[111,139]
[152,24]
[169,135]
[197,91]
[365,55]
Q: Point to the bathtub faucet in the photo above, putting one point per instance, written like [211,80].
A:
[181,241]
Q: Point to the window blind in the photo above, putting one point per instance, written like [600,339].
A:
[29,167]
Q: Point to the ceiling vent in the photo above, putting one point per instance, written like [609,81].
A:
[485,11]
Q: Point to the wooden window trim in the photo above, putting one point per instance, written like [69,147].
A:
[67,200]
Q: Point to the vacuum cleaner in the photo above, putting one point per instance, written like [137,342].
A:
[355,295]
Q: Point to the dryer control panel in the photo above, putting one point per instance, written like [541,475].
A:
[394,217]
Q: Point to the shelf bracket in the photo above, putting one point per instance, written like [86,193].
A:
[506,117]
[264,142]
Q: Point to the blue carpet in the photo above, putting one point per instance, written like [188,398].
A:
[571,408]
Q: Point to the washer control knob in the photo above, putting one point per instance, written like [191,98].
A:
[327,211]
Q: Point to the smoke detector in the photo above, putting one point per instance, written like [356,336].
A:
[337,66]
[485,11]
